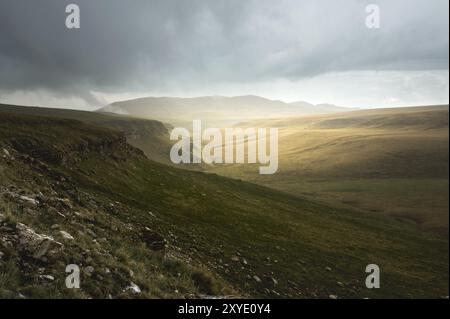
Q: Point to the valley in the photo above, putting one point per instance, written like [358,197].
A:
[385,161]
[225,237]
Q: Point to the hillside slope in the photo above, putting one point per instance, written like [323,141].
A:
[99,198]
[386,161]
[148,135]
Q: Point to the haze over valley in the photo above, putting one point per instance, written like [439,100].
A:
[216,111]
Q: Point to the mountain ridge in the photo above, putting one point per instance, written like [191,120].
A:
[218,110]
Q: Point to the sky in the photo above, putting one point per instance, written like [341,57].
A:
[319,51]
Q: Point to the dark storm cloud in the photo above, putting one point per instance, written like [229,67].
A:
[133,45]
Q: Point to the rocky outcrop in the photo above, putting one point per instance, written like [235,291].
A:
[106,142]
[38,246]
[153,240]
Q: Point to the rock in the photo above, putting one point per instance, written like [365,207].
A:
[37,245]
[340,284]
[47,277]
[89,269]
[244,261]
[66,235]
[257,279]
[235,258]
[327,268]
[153,240]
[53,210]
[28,211]
[103,240]
[28,200]
[333,297]
[6,152]
[65,203]
[90,232]
[275,282]
[133,288]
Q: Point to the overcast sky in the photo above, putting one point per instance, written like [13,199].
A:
[313,50]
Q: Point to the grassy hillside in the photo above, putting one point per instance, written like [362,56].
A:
[225,236]
[387,161]
[149,135]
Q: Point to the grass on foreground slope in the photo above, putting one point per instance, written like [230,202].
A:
[262,242]
[106,245]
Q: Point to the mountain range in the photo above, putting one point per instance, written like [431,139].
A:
[216,110]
